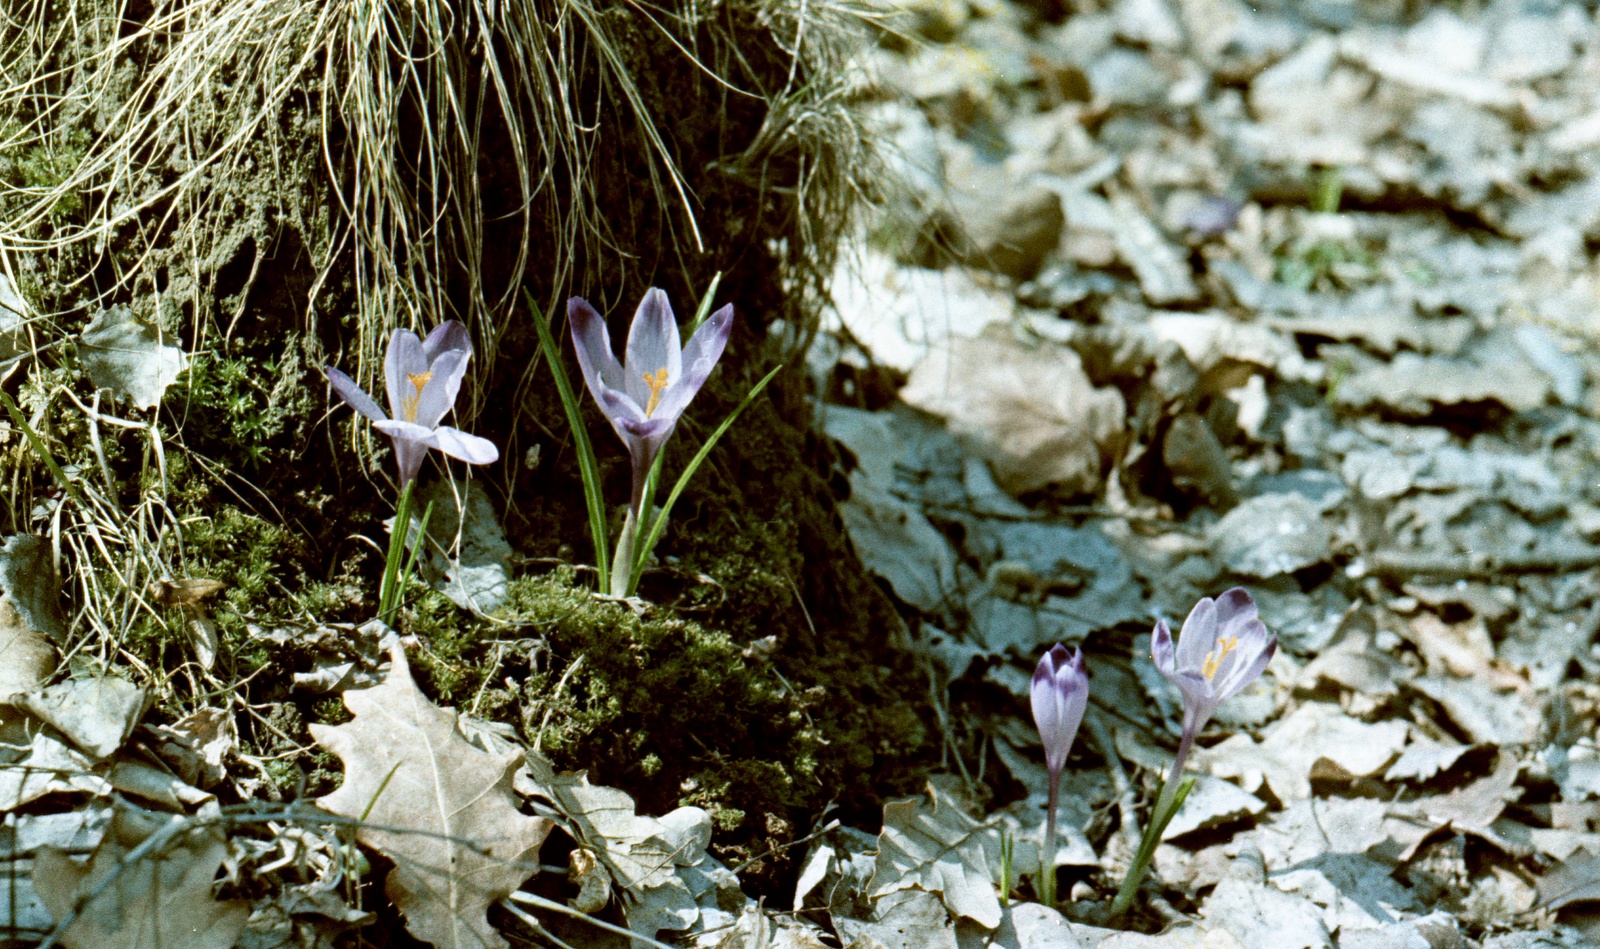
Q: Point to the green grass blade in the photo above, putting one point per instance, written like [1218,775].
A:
[389,588]
[704,309]
[587,465]
[411,558]
[39,449]
[659,523]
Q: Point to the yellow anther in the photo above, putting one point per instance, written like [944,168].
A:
[656,381]
[408,404]
[1213,658]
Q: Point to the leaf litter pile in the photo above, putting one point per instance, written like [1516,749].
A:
[1179,295]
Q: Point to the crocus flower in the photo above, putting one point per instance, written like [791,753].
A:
[423,378]
[1060,694]
[1224,647]
[644,395]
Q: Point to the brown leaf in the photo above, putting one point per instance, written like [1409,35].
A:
[186,592]
[1573,881]
[1031,411]
[437,805]
[158,901]
[27,657]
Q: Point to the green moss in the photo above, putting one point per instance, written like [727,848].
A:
[245,404]
[45,164]
[662,706]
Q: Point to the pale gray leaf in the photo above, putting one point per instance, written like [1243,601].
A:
[133,361]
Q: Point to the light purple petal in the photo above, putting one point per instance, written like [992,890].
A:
[1161,650]
[1200,701]
[1059,695]
[353,394]
[1198,635]
[653,345]
[646,428]
[699,358]
[1250,659]
[403,359]
[410,446]
[649,434]
[399,429]
[618,405]
[468,448]
[446,336]
[592,341]
[438,394]
[452,371]
[1234,606]
[641,435]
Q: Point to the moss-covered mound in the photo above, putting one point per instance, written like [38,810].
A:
[274,189]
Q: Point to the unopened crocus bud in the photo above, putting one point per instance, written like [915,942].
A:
[1060,694]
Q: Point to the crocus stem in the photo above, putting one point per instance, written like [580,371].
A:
[639,504]
[1169,790]
[1047,855]
[1172,794]
[641,480]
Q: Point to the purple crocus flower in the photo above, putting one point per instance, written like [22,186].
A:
[1224,647]
[1060,695]
[644,395]
[423,378]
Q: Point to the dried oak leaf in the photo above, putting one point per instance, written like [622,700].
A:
[158,901]
[437,805]
[639,852]
[933,845]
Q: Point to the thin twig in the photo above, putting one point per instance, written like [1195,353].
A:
[531,900]
[1402,564]
[1127,800]
[782,847]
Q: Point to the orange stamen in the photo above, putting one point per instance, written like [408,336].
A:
[657,381]
[1213,658]
[408,404]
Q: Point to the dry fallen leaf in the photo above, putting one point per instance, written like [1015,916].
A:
[437,805]
[637,850]
[1316,740]
[935,846]
[159,901]
[27,657]
[189,591]
[96,714]
[1030,411]
[1575,880]
[196,746]
[35,762]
